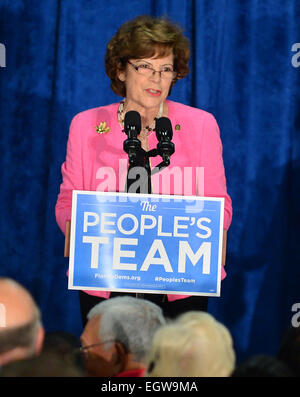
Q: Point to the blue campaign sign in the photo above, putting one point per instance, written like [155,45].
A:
[146,243]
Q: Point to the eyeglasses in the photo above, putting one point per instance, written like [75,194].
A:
[145,69]
[85,349]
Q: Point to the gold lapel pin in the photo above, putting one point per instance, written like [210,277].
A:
[102,128]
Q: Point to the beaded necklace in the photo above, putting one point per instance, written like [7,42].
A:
[149,128]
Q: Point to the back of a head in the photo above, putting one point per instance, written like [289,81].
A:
[23,329]
[262,366]
[131,321]
[289,351]
[169,348]
[194,345]
[44,365]
[60,341]
[65,345]
[17,302]
[216,341]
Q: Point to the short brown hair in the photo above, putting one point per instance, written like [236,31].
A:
[145,37]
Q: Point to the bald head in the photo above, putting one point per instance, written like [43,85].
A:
[21,332]
[18,304]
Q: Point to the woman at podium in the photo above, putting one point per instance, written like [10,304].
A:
[144,59]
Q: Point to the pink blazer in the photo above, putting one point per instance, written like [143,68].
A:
[97,162]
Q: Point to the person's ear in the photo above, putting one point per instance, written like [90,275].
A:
[121,74]
[39,340]
[120,357]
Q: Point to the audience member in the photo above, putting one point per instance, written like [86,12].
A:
[289,350]
[126,336]
[118,335]
[21,332]
[66,346]
[194,345]
[46,364]
[260,366]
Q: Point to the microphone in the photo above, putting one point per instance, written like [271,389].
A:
[164,134]
[132,123]
[132,128]
[138,173]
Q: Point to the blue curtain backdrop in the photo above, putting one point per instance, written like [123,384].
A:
[241,71]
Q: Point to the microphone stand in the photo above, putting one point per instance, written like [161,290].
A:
[142,160]
[139,161]
[138,157]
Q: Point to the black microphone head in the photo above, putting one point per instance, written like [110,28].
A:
[163,128]
[132,123]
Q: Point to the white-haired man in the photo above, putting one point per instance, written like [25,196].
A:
[118,335]
[21,330]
